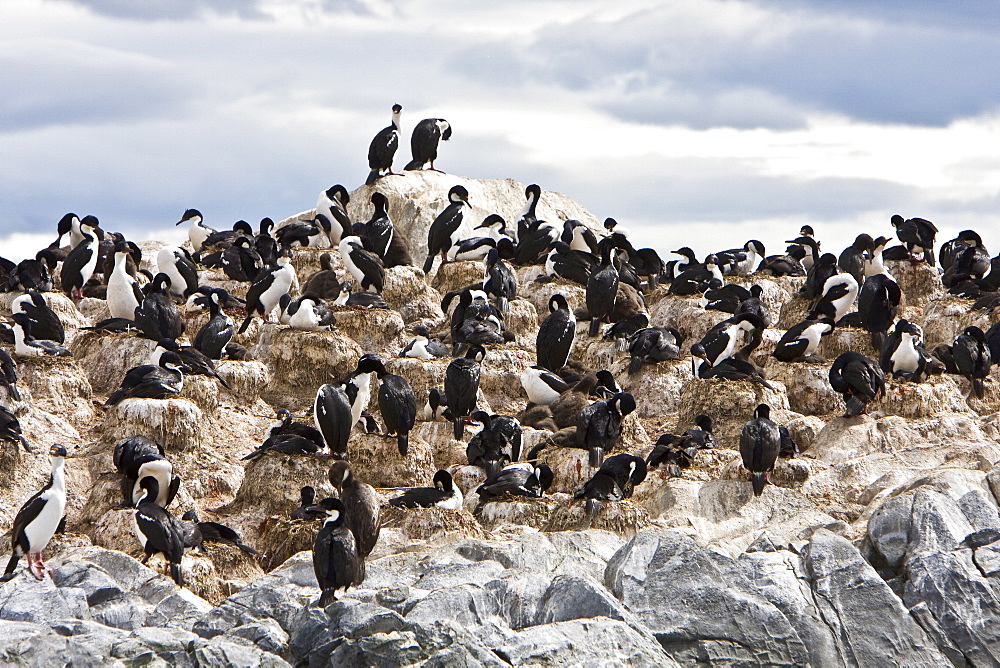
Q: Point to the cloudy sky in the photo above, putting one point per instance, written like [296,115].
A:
[704,122]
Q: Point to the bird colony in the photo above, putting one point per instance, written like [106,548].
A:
[367,403]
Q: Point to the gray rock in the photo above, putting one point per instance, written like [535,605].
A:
[889,529]
[181,609]
[266,634]
[281,595]
[779,577]
[698,603]
[867,619]
[571,552]
[962,601]
[987,558]
[468,606]
[571,597]
[95,636]
[589,642]
[53,650]
[518,593]
[25,599]
[223,653]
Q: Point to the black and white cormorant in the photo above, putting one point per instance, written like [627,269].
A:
[445,494]
[267,288]
[336,561]
[26,345]
[423,347]
[499,281]
[332,413]
[801,341]
[599,425]
[151,381]
[424,142]
[362,506]
[760,442]
[615,480]
[653,344]
[878,304]
[311,314]
[157,317]
[398,406]
[37,520]
[157,530]
[917,236]
[365,266]
[602,291]
[527,219]
[332,204]
[973,359]
[902,354]
[383,147]
[194,362]
[124,294]
[789,264]
[137,457]
[198,231]
[442,233]
[215,334]
[839,293]
[80,264]
[563,262]
[858,379]
[697,278]
[817,276]
[556,335]
[741,261]
[527,479]
[461,385]
[175,263]
[378,232]
[489,449]
[44,323]
[542,386]
[721,341]
[10,428]
[241,262]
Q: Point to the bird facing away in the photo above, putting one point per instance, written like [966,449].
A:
[760,443]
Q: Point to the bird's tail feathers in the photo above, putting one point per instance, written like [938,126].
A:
[758,480]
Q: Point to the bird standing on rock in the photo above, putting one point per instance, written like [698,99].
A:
[424,142]
[443,232]
[760,442]
[37,520]
[973,359]
[383,147]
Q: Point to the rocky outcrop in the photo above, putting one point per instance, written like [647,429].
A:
[880,538]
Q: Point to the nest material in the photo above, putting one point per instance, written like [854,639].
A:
[302,361]
[247,380]
[406,291]
[376,330]
[940,394]
[730,403]
[273,480]
[376,460]
[176,424]
[519,510]
[106,356]
[432,523]
[58,385]
[279,538]
[453,276]
[620,517]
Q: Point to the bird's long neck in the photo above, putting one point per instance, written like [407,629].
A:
[58,475]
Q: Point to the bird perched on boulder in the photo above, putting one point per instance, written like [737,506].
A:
[336,561]
[424,142]
[760,442]
[973,359]
[383,147]
[37,520]
[858,379]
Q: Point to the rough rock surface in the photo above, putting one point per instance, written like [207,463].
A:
[880,538]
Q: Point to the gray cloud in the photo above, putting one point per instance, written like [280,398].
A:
[152,10]
[701,75]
